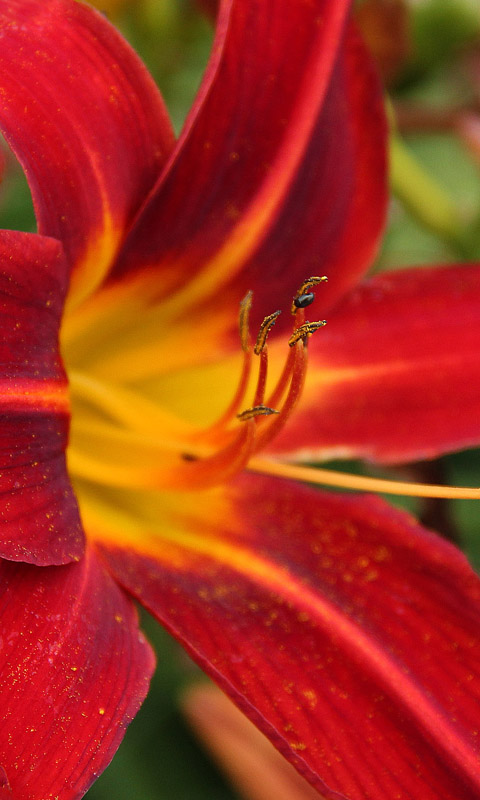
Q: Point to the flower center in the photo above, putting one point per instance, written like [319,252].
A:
[120,438]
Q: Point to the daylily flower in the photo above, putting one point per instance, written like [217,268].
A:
[343,629]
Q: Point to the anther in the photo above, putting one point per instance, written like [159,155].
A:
[265,328]
[256,411]
[304,297]
[243,319]
[304,300]
[303,331]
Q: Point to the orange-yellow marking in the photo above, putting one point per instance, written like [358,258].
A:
[35,395]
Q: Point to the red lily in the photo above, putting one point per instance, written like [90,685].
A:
[343,629]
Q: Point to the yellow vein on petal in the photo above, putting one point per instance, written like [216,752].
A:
[356,641]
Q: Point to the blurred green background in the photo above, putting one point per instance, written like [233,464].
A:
[434,73]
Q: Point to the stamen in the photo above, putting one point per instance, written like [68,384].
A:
[259,398]
[234,405]
[264,330]
[304,300]
[297,378]
[282,383]
[256,411]
[260,349]
[219,467]
[305,330]
[303,296]
[343,480]
[243,321]
[156,463]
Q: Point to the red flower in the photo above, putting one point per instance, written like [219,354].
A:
[344,630]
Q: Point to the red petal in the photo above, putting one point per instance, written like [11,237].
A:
[344,630]
[40,522]
[86,121]
[395,375]
[74,670]
[280,171]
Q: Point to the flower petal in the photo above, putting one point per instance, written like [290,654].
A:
[74,670]
[395,375]
[280,170]
[86,121]
[40,522]
[345,631]
[327,220]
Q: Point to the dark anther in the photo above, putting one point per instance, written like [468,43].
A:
[304,300]
[304,296]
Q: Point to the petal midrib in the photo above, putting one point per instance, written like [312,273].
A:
[363,646]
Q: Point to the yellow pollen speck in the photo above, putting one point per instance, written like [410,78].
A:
[118,618]
[311,696]
[73,669]
[298,746]
[101,711]
[381,553]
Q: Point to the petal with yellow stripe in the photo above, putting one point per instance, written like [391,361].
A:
[395,375]
[338,624]
[40,522]
[279,171]
[87,123]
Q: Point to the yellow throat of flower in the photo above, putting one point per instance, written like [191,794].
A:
[125,440]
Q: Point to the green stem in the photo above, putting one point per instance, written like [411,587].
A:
[425,199]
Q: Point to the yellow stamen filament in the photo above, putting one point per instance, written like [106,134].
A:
[344,480]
